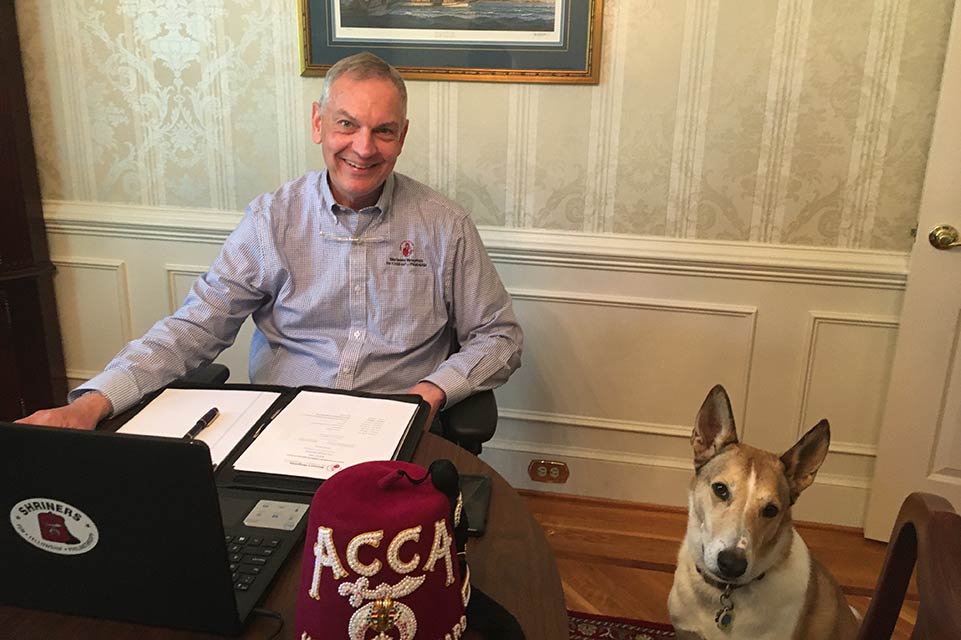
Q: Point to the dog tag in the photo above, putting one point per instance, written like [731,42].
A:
[724,618]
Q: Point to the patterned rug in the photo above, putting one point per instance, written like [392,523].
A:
[587,626]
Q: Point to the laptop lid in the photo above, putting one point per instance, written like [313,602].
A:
[117,526]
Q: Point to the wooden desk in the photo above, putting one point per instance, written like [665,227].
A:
[512,563]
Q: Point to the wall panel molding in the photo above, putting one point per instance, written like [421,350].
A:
[816,321]
[563,452]
[631,426]
[729,260]
[111,220]
[746,313]
[592,422]
[632,302]
[738,260]
[173,270]
[119,269]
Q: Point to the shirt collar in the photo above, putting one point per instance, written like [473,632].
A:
[379,208]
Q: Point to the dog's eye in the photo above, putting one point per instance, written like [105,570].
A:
[720,490]
[770,511]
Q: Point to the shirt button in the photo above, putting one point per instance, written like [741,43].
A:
[357,288]
[357,334]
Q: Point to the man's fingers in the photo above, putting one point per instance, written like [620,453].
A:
[59,417]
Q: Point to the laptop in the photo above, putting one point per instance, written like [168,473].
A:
[134,528]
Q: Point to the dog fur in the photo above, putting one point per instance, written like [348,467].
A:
[740,533]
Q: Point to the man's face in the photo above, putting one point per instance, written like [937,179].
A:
[362,131]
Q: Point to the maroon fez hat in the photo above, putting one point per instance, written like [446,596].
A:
[380,560]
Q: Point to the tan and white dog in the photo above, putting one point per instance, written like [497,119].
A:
[743,572]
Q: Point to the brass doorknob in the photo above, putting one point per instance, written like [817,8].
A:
[944,237]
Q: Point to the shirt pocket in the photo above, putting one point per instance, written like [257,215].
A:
[408,308]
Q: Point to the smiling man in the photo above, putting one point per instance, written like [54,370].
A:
[361,123]
[356,278]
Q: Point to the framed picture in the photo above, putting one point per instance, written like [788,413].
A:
[555,41]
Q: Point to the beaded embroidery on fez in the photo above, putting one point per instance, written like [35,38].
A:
[380,560]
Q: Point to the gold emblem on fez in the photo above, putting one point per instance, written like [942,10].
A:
[383,615]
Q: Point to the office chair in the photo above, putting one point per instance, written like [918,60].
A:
[210,374]
[471,422]
[927,532]
[468,424]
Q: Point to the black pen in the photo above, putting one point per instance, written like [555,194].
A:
[202,424]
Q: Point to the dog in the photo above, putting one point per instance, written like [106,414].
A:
[743,572]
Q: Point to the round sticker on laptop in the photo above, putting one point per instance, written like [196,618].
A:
[54,526]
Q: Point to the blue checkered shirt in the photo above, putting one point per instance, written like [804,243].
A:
[366,300]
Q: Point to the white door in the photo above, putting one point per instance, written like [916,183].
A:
[920,443]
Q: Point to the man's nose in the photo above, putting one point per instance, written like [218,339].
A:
[363,143]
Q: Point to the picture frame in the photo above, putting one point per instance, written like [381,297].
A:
[530,41]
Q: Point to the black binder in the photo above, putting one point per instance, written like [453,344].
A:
[228,477]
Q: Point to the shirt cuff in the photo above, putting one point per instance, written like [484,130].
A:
[118,387]
[454,385]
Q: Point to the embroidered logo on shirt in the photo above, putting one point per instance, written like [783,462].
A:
[406,258]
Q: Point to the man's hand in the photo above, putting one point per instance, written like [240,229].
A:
[432,395]
[84,413]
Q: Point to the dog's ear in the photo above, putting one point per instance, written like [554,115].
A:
[713,428]
[802,461]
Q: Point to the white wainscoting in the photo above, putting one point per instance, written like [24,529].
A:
[624,336]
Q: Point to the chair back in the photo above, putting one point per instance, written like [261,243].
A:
[927,534]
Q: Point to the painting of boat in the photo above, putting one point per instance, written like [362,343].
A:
[526,16]
[381,7]
[545,41]
[435,3]
[366,7]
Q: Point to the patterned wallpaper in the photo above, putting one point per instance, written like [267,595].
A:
[767,121]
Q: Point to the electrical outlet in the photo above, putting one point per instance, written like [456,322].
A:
[552,471]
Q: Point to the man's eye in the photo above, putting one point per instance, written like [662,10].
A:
[720,490]
[345,124]
[770,511]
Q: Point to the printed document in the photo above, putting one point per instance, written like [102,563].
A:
[175,411]
[319,433]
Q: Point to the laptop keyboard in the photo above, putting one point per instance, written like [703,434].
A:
[248,556]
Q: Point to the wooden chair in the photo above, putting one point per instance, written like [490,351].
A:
[927,533]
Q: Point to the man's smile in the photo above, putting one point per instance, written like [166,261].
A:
[359,166]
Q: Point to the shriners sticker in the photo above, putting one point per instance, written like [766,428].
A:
[54,526]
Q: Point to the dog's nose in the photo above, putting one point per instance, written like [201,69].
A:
[731,563]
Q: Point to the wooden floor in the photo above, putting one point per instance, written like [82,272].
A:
[618,558]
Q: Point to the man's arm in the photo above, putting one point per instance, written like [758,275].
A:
[485,326]
[83,413]
[194,335]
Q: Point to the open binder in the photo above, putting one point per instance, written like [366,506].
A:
[285,439]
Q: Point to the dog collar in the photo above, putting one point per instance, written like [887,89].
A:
[724,586]
[724,616]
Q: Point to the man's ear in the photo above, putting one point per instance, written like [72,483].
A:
[802,461]
[713,427]
[316,124]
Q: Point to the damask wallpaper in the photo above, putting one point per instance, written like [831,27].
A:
[766,121]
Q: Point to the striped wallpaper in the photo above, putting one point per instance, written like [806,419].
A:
[766,121]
